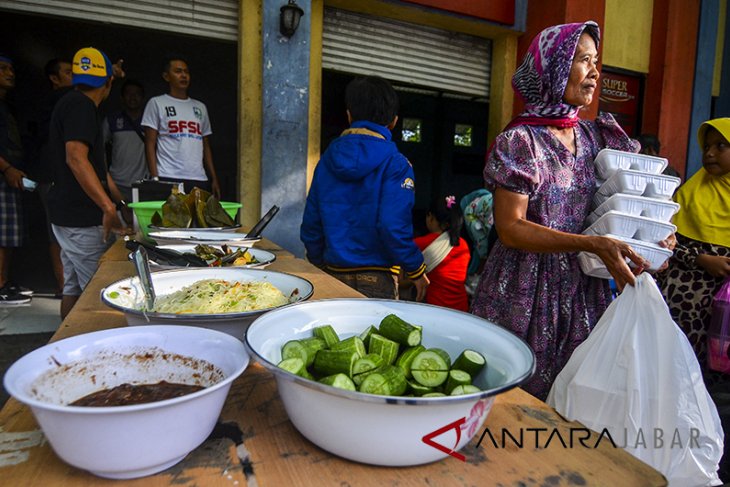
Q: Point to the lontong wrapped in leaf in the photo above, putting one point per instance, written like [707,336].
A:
[196,202]
[215,215]
[175,212]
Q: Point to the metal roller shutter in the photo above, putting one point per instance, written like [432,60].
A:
[215,19]
[411,53]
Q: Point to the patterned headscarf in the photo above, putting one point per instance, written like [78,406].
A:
[543,75]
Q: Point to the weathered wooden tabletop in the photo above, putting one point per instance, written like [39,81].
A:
[255,444]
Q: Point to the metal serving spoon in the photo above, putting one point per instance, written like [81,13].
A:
[141,263]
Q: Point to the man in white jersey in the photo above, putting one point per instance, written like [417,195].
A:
[177,130]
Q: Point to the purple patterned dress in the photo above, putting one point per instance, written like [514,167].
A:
[544,297]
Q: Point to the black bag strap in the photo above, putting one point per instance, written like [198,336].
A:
[137,128]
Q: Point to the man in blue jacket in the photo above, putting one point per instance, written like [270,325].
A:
[357,222]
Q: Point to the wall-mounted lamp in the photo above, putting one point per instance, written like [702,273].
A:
[289,18]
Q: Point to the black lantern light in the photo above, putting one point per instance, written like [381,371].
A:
[289,18]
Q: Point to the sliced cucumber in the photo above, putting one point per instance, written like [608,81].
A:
[418,389]
[429,368]
[340,381]
[388,381]
[305,349]
[352,344]
[467,389]
[294,349]
[330,362]
[434,394]
[456,378]
[405,359]
[326,333]
[358,378]
[444,355]
[365,335]
[388,349]
[294,365]
[471,362]
[368,363]
[400,331]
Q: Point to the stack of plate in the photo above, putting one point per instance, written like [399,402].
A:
[633,204]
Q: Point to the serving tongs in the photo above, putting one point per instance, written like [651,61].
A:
[261,224]
[167,256]
[141,263]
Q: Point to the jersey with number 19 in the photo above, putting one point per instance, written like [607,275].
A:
[181,126]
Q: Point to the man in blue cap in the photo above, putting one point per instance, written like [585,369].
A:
[83,200]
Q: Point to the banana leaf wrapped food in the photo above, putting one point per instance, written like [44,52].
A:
[198,209]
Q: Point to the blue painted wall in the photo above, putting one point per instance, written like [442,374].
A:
[285,119]
[704,69]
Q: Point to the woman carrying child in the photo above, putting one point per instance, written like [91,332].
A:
[445,254]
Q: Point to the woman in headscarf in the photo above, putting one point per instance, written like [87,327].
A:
[541,172]
[701,260]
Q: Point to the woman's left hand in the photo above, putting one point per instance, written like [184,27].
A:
[668,243]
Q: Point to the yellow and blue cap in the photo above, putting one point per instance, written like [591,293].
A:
[91,67]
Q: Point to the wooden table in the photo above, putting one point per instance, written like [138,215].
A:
[255,444]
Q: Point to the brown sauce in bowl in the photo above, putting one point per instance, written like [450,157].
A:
[127,394]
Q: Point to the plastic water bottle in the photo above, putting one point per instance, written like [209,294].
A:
[719,337]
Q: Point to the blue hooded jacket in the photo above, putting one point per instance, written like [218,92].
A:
[358,211]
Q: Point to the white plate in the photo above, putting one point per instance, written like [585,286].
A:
[195,236]
[233,228]
[263,257]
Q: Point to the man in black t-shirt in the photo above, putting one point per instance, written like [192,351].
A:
[59,76]
[81,200]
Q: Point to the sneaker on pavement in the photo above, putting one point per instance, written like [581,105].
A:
[13,299]
[12,288]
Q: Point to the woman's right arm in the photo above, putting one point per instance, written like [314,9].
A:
[516,231]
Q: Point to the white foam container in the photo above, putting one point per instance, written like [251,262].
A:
[638,183]
[658,209]
[631,226]
[592,265]
[608,161]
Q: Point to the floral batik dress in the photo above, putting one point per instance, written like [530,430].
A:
[544,297]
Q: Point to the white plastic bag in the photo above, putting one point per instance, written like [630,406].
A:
[637,376]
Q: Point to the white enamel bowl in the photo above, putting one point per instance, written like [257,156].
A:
[388,430]
[127,296]
[127,441]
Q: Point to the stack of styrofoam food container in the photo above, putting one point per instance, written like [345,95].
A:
[632,204]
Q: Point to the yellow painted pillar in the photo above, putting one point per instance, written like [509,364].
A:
[315,89]
[501,96]
[250,59]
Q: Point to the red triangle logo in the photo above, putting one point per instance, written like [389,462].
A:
[456,425]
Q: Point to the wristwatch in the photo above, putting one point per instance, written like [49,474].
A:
[121,204]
